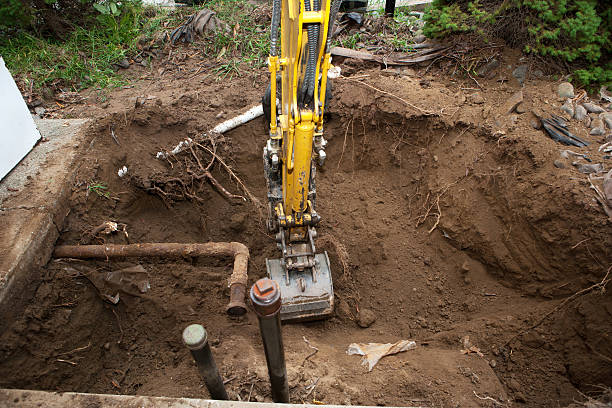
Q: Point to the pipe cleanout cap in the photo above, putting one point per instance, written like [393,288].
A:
[195,336]
[266,297]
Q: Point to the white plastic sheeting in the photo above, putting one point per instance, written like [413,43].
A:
[18,133]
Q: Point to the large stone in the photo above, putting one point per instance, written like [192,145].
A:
[520,73]
[512,102]
[489,68]
[592,108]
[566,90]
[589,168]
[607,119]
[597,127]
[568,107]
[580,113]
[607,188]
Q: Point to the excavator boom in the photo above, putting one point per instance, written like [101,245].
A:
[296,140]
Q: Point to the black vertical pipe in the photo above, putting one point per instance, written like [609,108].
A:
[389,8]
[265,295]
[196,340]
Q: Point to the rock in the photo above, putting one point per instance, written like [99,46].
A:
[566,90]
[607,188]
[35,103]
[489,68]
[493,363]
[607,119]
[587,121]
[580,113]
[520,108]
[512,102]
[520,73]
[597,127]
[476,98]
[124,63]
[538,74]
[568,107]
[366,318]
[40,111]
[535,123]
[592,108]
[588,168]
[559,164]
[419,39]
[107,346]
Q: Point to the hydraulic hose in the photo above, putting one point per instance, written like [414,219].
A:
[276,15]
[311,64]
[335,7]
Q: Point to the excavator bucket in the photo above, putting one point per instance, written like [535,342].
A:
[306,294]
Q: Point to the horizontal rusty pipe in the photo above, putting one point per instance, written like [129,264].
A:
[240,252]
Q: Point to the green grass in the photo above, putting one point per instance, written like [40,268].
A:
[100,189]
[86,57]
[247,42]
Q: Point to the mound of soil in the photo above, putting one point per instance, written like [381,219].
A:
[446,219]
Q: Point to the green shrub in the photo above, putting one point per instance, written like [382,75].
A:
[574,31]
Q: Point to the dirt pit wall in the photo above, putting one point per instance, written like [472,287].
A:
[441,227]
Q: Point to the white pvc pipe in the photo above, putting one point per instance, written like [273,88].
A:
[255,112]
[234,122]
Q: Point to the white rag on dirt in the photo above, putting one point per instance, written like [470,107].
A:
[373,352]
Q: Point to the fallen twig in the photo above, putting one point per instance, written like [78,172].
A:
[496,402]
[312,387]
[315,350]
[66,361]
[114,137]
[76,349]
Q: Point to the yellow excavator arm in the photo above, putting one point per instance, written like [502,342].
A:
[296,138]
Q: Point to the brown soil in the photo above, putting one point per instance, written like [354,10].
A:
[455,222]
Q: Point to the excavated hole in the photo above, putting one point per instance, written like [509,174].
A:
[425,228]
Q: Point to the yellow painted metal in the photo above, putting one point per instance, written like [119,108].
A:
[296,180]
[325,8]
[297,125]
[273,65]
[313,17]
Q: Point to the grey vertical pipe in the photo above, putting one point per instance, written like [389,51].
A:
[390,8]
[265,295]
[196,340]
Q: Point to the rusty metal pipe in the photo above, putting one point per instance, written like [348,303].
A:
[237,280]
[266,299]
